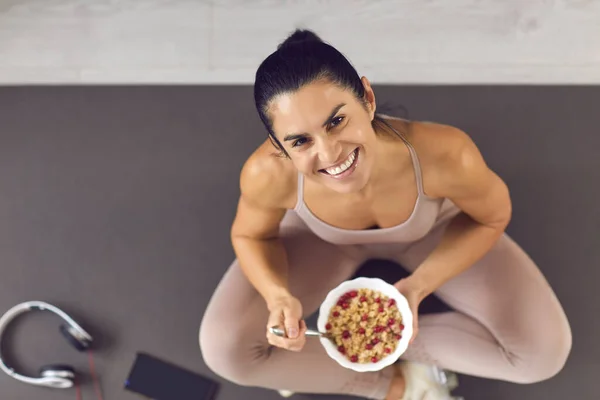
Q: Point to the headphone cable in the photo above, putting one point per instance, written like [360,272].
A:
[78,389]
[95,378]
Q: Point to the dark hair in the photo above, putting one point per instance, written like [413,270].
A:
[299,60]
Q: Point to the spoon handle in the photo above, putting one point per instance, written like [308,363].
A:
[280,332]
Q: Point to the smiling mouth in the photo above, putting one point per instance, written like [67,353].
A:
[343,167]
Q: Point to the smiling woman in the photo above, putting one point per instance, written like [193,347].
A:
[337,183]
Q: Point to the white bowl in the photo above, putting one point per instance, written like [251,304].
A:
[380,286]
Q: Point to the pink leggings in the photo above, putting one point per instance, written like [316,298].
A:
[508,323]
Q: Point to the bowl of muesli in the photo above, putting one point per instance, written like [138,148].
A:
[368,324]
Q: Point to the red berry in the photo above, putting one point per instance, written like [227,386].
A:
[361,330]
[365,317]
[328,326]
[391,322]
[392,302]
[336,313]
[369,346]
[387,350]
[354,358]
[345,334]
[374,341]
[401,327]
[380,309]
[398,336]
[378,329]
[378,300]
[345,306]
[363,299]
[353,293]
[341,349]
[340,302]
[374,359]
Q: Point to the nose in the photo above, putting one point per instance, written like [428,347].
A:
[329,151]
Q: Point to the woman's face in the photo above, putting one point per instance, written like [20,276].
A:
[328,134]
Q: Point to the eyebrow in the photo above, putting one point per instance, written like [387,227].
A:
[294,136]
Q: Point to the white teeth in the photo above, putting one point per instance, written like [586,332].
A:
[342,167]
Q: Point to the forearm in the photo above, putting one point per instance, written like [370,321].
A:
[264,262]
[464,242]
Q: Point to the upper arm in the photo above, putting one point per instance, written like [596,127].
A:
[470,184]
[261,205]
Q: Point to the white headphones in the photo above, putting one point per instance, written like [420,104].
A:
[54,376]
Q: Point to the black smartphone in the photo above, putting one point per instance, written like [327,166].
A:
[161,380]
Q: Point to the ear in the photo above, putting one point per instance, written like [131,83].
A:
[369,97]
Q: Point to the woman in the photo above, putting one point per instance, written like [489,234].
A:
[336,184]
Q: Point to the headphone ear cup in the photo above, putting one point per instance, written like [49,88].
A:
[58,375]
[59,370]
[79,343]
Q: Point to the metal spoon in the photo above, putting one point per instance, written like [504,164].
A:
[280,332]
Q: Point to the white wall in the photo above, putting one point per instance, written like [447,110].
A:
[203,42]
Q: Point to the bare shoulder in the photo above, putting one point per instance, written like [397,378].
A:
[268,180]
[447,154]
[438,142]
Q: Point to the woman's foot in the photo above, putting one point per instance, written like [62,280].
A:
[414,381]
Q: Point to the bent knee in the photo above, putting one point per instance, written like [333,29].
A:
[226,353]
[545,358]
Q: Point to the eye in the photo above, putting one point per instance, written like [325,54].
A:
[336,121]
[299,142]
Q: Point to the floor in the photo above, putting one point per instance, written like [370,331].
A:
[389,41]
[116,202]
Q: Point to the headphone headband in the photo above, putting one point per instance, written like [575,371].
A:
[76,330]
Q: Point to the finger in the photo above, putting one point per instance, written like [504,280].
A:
[303,328]
[415,332]
[301,340]
[275,320]
[297,343]
[291,321]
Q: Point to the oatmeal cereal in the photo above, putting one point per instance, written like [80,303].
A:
[365,325]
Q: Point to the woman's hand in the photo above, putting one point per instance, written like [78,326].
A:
[286,313]
[414,295]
